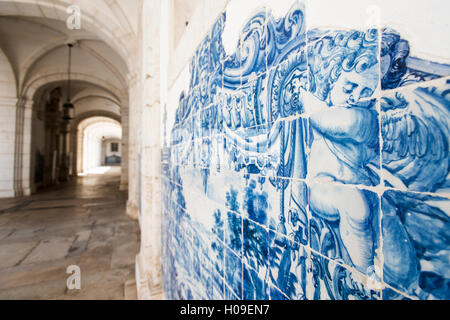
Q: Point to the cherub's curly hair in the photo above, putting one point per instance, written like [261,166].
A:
[340,51]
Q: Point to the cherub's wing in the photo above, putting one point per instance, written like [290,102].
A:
[415,133]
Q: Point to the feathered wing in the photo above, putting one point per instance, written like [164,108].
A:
[415,135]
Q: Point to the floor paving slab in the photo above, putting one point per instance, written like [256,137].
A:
[82,222]
[13,253]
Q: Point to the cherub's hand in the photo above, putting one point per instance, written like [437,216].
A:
[312,104]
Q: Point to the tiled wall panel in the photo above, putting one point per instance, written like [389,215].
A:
[307,163]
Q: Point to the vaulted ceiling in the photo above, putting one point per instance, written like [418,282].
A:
[34,36]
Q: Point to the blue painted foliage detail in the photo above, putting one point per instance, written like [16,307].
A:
[276,158]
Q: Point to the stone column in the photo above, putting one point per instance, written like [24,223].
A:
[80,156]
[133,144]
[103,152]
[148,262]
[52,122]
[74,150]
[48,154]
[25,170]
[22,147]
[64,157]
[124,109]
[7,146]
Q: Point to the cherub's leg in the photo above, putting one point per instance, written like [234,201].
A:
[401,265]
[350,206]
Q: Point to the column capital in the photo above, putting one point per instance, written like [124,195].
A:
[28,104]
[8,102]
[25,102]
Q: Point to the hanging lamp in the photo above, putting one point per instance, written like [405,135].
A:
[68,107]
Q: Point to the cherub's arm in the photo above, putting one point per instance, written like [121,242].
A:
[311,103]
[357,124]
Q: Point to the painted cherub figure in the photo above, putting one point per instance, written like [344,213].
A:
[344,74]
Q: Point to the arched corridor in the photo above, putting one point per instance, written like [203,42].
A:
[64,191]
[98,144]
[35,71]
[80,222]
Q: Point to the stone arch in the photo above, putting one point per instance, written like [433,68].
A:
[98,96]
[36,87]
[120,36]
[74,134]
[108,22]
[95,113]
[44,79]
[83,126]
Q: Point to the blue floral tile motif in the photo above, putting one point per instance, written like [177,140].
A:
[287,266]
[233,231]
[292,219]
[260,200]
[416,244]
[276,294]
[211,121]
[307,164]
[256,286]
[256,246]
[218,250]
[233,273]
[329,280]
[215,287]
[415,131]
[229,294]
[255,206]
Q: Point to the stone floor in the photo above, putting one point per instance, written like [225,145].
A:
[83,223]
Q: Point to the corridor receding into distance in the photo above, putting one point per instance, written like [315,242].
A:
[64,156]
[81,222]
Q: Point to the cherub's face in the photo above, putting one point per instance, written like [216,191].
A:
[352,86]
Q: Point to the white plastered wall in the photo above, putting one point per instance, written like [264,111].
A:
[8,102]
